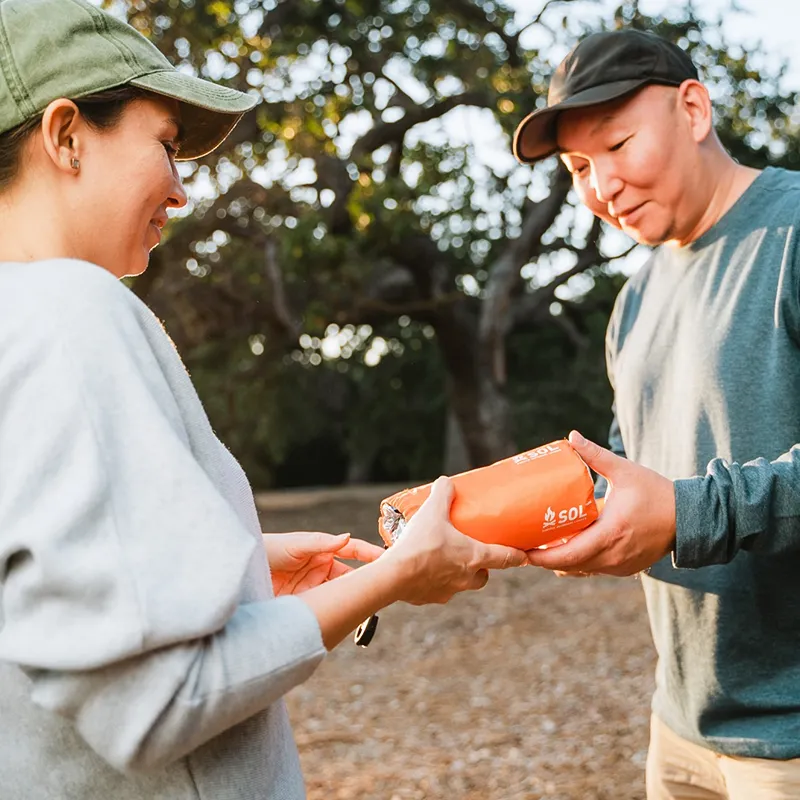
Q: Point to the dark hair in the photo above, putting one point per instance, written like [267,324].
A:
[102,111]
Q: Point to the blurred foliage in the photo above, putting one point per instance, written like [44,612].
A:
[356,282]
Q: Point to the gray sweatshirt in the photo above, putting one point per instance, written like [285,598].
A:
[704,356]
[142,654]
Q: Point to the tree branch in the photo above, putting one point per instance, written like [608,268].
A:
[579,339]
[388,132]
[420,309]
[538,18]
[284,319]
[273,20]
[531,303]
[495,318]
[476,16]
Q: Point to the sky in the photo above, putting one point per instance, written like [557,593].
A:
[774,22]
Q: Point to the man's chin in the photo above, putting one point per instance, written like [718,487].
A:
[644,236]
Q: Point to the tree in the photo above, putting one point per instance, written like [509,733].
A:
[349,204]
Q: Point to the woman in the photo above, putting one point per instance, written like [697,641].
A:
[142,652]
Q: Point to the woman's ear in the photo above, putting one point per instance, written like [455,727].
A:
[62,128]
[694,101]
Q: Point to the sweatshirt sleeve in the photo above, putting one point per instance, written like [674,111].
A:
[753,506]
[121,563]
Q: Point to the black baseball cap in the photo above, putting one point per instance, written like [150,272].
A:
[602,67]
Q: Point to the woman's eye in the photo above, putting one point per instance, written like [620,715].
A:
[170,148]
[580,172]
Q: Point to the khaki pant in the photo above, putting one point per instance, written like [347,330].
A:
[680,770]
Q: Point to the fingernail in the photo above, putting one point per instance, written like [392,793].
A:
[342,535]
[577,439]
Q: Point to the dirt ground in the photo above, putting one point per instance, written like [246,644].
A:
[535,687]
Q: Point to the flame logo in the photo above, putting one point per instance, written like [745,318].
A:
[549,516]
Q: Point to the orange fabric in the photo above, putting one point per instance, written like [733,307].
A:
[538,497]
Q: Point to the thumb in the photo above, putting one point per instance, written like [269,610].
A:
[498,556]
[336,542]
[441,496]
[602,461]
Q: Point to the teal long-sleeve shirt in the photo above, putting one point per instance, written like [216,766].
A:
[703,352]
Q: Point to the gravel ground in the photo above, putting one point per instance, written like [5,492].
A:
[535,687]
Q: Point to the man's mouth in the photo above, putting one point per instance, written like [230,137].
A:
[627,216]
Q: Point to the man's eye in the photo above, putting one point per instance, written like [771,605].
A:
[170,148]
[619,145]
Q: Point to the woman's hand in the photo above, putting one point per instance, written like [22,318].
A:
[302,560]
[437,561]
[428,564]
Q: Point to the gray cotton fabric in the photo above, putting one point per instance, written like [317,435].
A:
[142,653]
[704,356]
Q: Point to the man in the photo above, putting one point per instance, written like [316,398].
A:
[704,356]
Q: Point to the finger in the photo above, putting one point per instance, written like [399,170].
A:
[562,574]
[479,580]
[359,550]
[312,577]
[319,559]
[306,543]
[498,556]
[338,569]
[579,554]
[441,496]
[602,461]
[296,575]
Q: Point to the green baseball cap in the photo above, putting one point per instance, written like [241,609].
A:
[69,48]
[600,68]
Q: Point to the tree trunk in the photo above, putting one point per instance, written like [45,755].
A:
[484,416]
[359,467]
[476,400]
[456,457]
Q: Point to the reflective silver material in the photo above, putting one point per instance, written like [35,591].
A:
[392,521]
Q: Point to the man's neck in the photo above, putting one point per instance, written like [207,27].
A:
[727,181]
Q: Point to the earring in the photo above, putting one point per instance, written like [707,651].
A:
[75,164]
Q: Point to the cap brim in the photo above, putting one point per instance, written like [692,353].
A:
[209,112]
[535,137]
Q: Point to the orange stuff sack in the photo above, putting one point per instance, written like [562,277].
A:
[539,497]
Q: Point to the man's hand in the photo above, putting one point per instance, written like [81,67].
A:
[301,560]
[635,529]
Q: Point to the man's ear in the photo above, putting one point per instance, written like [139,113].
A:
[695,103]
[62,129]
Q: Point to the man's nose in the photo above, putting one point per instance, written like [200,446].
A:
[606,184]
